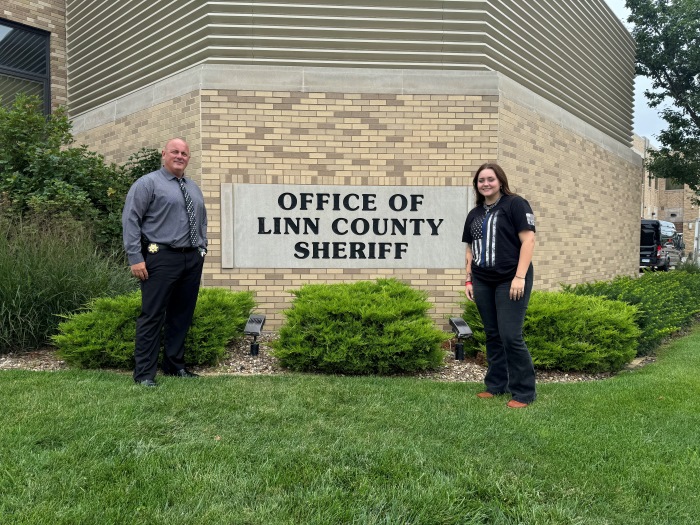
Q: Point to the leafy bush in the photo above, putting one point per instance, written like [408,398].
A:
[103,335]
[49,269]
[666,302]
[24,128]
[564,331]
[591,334]
[42,174]
[366,327]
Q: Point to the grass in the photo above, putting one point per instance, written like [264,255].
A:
[92,448]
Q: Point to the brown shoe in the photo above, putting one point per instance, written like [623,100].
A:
[515,404]
[485,395]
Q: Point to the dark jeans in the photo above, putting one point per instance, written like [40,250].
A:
[168,299]
[510,366]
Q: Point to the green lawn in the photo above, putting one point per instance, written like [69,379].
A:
[84,447]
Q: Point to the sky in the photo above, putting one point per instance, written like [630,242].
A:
[647,122]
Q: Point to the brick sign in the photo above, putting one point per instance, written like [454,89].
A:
[302,226]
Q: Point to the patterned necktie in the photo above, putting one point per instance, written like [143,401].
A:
[190,214]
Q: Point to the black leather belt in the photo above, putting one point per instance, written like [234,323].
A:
[149,247]
[182,250]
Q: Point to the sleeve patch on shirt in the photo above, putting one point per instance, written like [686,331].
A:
[530,218]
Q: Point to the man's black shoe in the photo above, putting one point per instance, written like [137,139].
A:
[182,373]
[147,382]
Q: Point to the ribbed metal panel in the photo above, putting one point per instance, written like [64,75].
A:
[575,54]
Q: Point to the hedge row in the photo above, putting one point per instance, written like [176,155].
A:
[601,326]
[666,302]
[383,327]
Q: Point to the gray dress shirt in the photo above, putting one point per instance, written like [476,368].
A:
[155,212]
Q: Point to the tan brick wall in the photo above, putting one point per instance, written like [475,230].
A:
[585,198]
[672,205]
[584,220]
[650,185]
[49,15]
[344,139]
[179,117]
[679,207]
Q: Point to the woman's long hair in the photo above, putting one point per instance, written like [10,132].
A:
[500,175]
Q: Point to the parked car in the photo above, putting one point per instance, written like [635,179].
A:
[661,246]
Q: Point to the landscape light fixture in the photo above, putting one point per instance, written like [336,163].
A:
[462,331]
[254,327]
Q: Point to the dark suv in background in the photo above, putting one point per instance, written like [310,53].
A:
[660,246]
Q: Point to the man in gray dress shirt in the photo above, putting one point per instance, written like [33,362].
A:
[165,237]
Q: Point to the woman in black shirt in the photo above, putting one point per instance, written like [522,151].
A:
[500,237]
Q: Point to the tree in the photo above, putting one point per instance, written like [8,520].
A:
[667,33]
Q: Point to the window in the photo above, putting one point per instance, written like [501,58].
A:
[671,185]
[24,63]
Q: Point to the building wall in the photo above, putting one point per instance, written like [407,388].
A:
[674,205]
[679,207]
[48,15]
[428,123]
[119,136]
[585,198]
[575,54]
[264,137]
[357,133]
[651,195]
[349,139]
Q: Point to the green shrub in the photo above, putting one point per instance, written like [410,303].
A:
[589,334]
[219,318]
[564,331]
[103,335]
[666,302]
[43,174]
[49,269]
[366,327]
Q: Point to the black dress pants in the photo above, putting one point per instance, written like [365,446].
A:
[510,367]
[168,299]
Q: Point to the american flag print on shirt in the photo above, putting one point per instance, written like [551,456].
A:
[484,235]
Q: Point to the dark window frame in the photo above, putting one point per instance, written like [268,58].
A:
[674,186]
[45,79]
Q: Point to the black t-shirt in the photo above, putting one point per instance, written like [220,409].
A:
[493,236]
